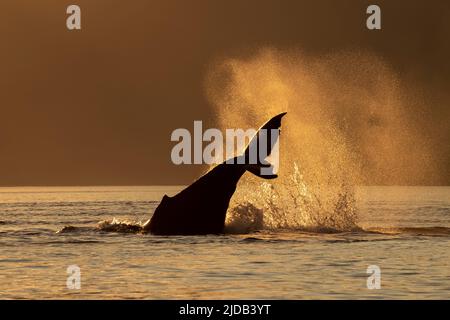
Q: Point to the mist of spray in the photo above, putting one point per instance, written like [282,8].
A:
[347,124]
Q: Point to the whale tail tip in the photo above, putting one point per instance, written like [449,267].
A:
[267,138]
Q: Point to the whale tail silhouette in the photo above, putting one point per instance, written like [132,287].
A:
[201,207]
[261,147]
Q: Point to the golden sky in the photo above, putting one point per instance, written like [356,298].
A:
[97,106]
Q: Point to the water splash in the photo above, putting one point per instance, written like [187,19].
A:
[114,225]
[293,205]
[120,226]
[244,218]
[347,124]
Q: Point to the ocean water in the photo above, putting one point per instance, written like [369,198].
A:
[405,231]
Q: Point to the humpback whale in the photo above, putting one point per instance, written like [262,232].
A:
[201,208]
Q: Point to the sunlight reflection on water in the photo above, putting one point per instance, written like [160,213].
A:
[285,264]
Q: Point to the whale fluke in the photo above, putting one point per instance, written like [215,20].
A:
[201,207]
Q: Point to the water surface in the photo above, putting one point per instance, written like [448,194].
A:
[406,232]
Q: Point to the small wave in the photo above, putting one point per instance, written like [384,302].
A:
[417,231]
[74,229]
[325,230]
[72,242]
[114,225]
[120,226]
[252,239]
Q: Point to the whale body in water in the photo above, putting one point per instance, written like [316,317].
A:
[201,208]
